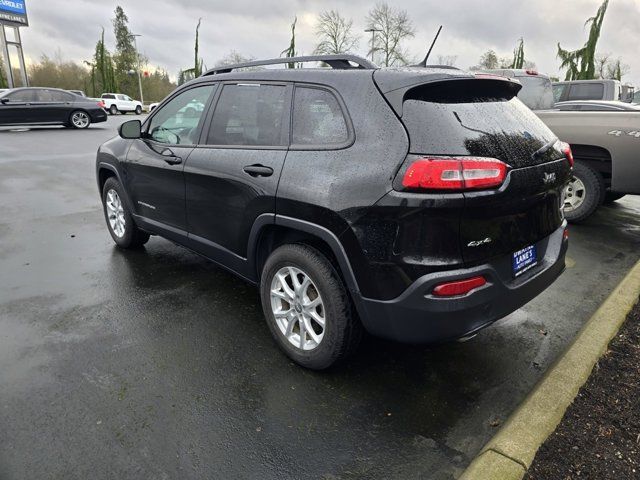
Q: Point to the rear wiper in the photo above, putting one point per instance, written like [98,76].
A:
[544,149]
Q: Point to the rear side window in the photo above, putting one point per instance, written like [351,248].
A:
[109,96]
[586,91]
[318,118]
[536,92]
[558,90]
[250,115]
[480,118]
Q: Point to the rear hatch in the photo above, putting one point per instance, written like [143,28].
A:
[483,118]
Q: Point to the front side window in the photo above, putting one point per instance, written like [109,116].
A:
[317,118]
[251,115]
[22,96]
[177,122]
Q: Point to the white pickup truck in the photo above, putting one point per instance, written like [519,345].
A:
[117,102]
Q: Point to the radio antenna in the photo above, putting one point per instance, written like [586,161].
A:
[423,63]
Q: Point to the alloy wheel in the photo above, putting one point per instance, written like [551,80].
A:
[115,213]
[80,120]
[574,194]
[298,308]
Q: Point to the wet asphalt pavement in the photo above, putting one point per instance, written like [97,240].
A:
[157,364]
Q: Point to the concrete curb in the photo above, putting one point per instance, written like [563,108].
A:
[509,454]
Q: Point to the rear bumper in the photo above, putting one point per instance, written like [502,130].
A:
[98,116]
[417,316]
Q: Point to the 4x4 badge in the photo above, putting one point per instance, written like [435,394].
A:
[477,243]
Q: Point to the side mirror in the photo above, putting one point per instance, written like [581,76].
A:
[131,129]
[4,100]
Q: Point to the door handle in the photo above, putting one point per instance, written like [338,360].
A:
[170,157]
[258,170]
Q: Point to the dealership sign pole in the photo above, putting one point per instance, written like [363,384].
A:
[13,15]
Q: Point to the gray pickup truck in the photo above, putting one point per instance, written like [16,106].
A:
[604,89]
[604,137]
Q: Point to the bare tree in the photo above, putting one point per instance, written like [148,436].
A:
[602,59]
[390,28]
[447,60]
[616,69]
[232,58]
[488,61]
[335,34]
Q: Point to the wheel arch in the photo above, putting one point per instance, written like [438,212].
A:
[290,230]
[595,157]
[285,230]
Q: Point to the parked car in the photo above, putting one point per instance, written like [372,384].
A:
[117,102]
[592,90]
[47,106]
[596,106]
[152,106]
[299,181]
[604,138]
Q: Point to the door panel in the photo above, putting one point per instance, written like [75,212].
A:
[18,108]
[234,180]
[155,186]
[155,163]
[223,199]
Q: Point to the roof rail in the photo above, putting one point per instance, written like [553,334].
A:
[339,62]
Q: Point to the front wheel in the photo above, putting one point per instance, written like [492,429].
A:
[307,307]
[583,194]
[79,119]
[120,223]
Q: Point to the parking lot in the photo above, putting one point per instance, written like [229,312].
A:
[157,364]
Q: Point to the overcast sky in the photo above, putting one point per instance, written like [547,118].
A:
[261,28]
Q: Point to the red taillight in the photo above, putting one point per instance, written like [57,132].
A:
[101,104]
[459,287]
[455,173]
[565,234]
[566,149]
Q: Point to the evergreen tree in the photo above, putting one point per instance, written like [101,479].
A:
[581,63]
[125,57]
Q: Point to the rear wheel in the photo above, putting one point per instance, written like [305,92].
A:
[113,110]
[584,193]
[120,223]
[611,197]
[138,110]
[79,119]
[307,307]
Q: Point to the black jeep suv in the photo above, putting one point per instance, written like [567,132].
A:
[422,204]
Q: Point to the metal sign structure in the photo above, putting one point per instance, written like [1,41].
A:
[14,12]
[13,15]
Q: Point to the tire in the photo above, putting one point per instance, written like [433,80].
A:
[138,110]
[130,236]
[611,197]
[113,110]
[584,193]
[79,119]
[342,330]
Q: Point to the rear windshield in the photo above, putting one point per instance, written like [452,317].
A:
[477,118]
